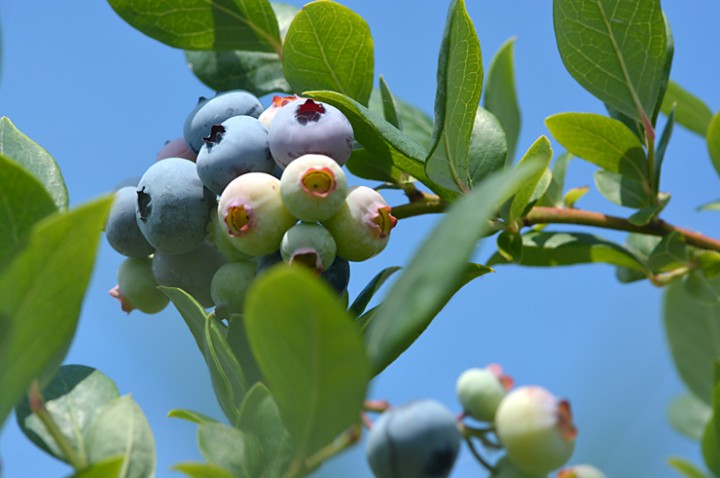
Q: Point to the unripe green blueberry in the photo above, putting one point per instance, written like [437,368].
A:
[536,429]
[581,471]
[310,245]
[480,391]
[505,468]
[313,187]
[361,228]
[417,440]
[229,285]
[137,287]
[221,241]
[253,213]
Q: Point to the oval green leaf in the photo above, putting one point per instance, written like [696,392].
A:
[110,467]
[203,470]
[686,468]
[539,154]
[689,415]
[690,111]
[713,141]
[501,95]
[230,449]
[225,372]
[622,190]
[414,122]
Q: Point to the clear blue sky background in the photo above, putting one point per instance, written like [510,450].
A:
[103,98]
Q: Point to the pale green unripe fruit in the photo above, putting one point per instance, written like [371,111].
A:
[253,213]
[362,227]
[536,429]
[507,469]
[480,391]
[137,287]
[581,471]
[313,187]
[229,285]
[221,241]
[308,244]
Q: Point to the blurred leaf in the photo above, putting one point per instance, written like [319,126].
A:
[686,468]
[640,245]
[713,141]
[205,24]
[414,122]
[615,49]
[24,202]
[693,334]
[227,377]
[387,145]
[710,443]
[73,397]
[35,159]
[700,288]
[554,195]
[203,470]
[190,415]
[259,416]
[365,296]
[191,311]
[329,47]
[310,352]
[690,111]
[389,107]
[647,214]
[488,146]
[669,254]
[501,97]
[121,428]
[539,155]
[238,341]
[549,249]
[574,195]
[711,206]
[459,86]
[689,415]
[622,190]
[709,262]
[109,467]
[662,146]
[417,296]
[42,287]
[230,449]
[603,141]
[510,246]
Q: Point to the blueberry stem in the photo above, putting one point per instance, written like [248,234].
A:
[478,456]
[348,438]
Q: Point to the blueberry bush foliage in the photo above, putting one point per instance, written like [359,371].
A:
[290,359]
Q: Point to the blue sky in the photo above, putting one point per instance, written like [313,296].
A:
[103,98]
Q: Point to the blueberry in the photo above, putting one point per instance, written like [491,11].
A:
[221,241]
[277,102]
[235,147]
[417,440]
[137,287]
[215,110]
[177,148]
[267,261]
[536,429]
[229,285]
[191,272]
[313,187]
[338,275]
[173,207]
[362,226]
[253,213]
[309,245]
[310,127]
[121,228]
[480,391]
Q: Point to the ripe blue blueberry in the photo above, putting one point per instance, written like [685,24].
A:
[121,228]
[177,148]
[417,440]
[215,110]
[229,285]
[173,207]
[137,287]
[313,187]
[191,272]
[309,245]
[337,275]
[309,127]
[235,147]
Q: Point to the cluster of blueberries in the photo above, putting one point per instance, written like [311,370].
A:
[243,189]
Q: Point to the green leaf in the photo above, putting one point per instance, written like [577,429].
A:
[701,288]
[550,249]
[191,311]
[41,291]
[190,415]
[662,147]
[686,468]
[35,159]
[488,146]
[417,296]
[640,245]
[709,262]
[501,96]
[366,165]
[647,214]
[109,467]
[389,106]
[329,47]
[414,122]
[689,415]
[539,154]
[362,300]
[227,377]
[713,141]
[311,354]
[615,49]
[386,144]
[238,342]
[121,428]
[603,141]
[671,253]
[203,470]
[667,66]
[710,206]
[230,449]
[23,200]
[690,111]
[459,86]
[554,195]
[510,246]
[205,24]
[574,195]
[622,190]
[693,334]
[710,443]
[73,397]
